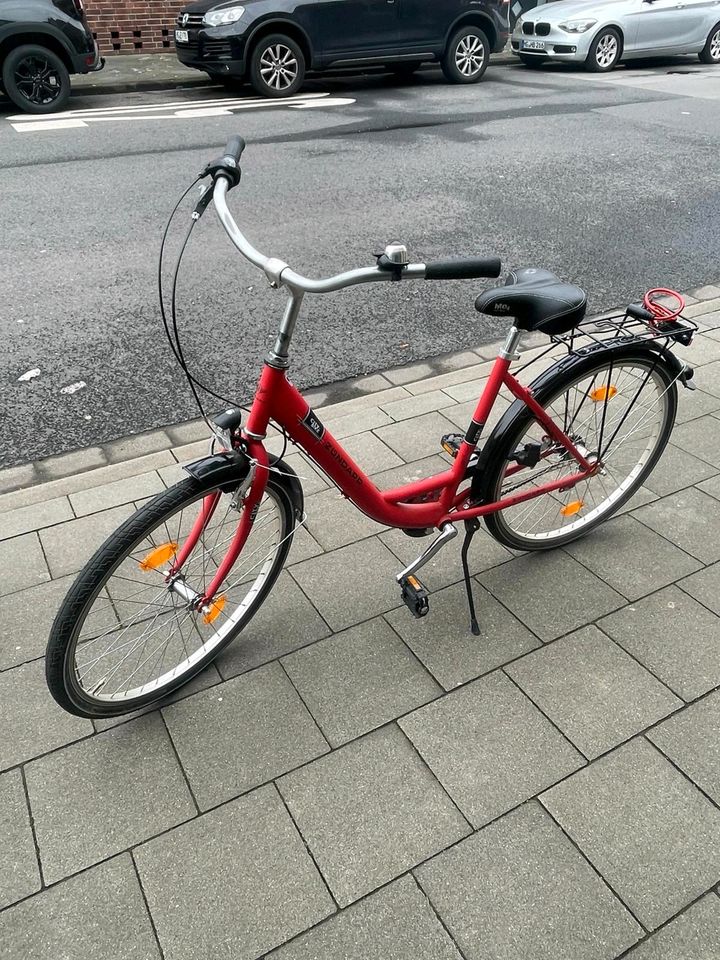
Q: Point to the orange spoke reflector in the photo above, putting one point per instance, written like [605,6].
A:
[215,609]
[603,393]
[159,556]
[570,509]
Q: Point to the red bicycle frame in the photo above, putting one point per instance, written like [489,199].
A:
[444,497]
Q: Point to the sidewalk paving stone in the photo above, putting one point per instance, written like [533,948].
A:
[410,472]
[692,741]
[631,558]
[519,890]
[700,436]
[694,935]
[396,923]
[708,377]
[673,636]
[285,622]
[676,470]
[358,680]
[22,562]
[95,916]
[700,404]
[69,546]
[652,835]
[25,621]
[27,519]
[371,453]
[690,519]
[702,307]
[415,406]
[115,494]
[232,884]
[490,747]
[74,462]
[370,811]
[31,722]
[444,643]
[333,521]
[242,734]
[416,438]
[592,690]
[551,593]
[711,486]
[106,794]
[19,871]
[704,586]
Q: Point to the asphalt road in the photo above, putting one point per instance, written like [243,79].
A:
[611,182]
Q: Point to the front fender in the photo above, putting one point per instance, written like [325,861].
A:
[231,467]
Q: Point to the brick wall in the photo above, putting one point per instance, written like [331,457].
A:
[133,26]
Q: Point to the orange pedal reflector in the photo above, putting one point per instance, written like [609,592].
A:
[215,609]
[570,509]
[159,556]
[603,393]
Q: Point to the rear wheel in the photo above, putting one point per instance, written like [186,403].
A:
[618,407]
[277,66]
[605,52]
[467,55]
[36,79]
[123,638]
[710,53]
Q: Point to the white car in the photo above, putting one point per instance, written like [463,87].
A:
[601,33]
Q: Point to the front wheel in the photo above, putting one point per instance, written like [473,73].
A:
[605,52]
[618,407]
[467,55]
[36,79]
[277,66]
[124,638]
[710,53]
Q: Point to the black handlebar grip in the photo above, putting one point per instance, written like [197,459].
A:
[470,268]
[235,148]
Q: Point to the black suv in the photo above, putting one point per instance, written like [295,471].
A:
[274,42]
[41,43]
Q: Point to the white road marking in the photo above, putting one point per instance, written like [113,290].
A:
[32,126]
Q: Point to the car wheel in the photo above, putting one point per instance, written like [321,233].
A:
[605,52]
[534,62]
[36,79]
[277,66]
[710,53]
[467,55]
[404,71]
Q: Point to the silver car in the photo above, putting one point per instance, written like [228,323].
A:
[601,33]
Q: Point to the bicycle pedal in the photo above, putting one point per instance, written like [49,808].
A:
[451,443]
[415,596]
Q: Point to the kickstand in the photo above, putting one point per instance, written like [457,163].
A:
[471,528]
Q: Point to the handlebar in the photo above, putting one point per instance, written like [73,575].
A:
[226,175]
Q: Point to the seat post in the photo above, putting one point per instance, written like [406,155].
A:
[510,349]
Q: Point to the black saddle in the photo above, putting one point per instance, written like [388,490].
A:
[537,300]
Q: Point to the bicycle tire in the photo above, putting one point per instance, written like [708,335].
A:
[61,671]
[518,421]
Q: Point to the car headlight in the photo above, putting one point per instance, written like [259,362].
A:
[218,18]
[577,26]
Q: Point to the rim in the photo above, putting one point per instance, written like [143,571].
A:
[715,45]
[470,55]
[623,424]
[37,80]
[137,635]
[607,51]
[279,67]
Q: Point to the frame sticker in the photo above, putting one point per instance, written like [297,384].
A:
[311,422]
[474,431]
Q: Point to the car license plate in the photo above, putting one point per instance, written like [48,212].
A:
[532,45]
[181,36]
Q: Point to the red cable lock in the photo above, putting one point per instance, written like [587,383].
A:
[663,312]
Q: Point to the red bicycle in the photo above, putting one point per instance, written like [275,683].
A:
[185,575]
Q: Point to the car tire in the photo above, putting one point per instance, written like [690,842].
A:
[534,62]
[277,66]
[36,79]
[404,71]
[466,56]
[710,53]
[605,51]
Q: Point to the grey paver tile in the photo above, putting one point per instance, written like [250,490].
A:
[708,377]
[652,835]
[711,486]
[233,883]
[187,432]
[192,451]
[638,499]
[444,643]
[114,494]
[69,546]
[351,584]
[25,621]
[490,747]
[592,690]
[551,593]
[13,477]
[26,519]
[396,923]
[416,438]
[343,408]
[673,636]
[68,463]
[99,797]
[694,935]
[446,381]
[243,733]
[618,554]
[370,453]
[411,472]
[97,915]
[415,406]
[702,351]
[708,292]
[30,720]
[285,622]
[383,813]
[700,437]
[677,469]
[705,587]
[694,405]
[137,446]
[358,680]
[690,519]
[703,306]
[409,373]
[312,480]
[19,872]
[710,324]
[360,422]
[334,522]
[22,563]
[303,546]
[462,413]
[691,739]
[520,889]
